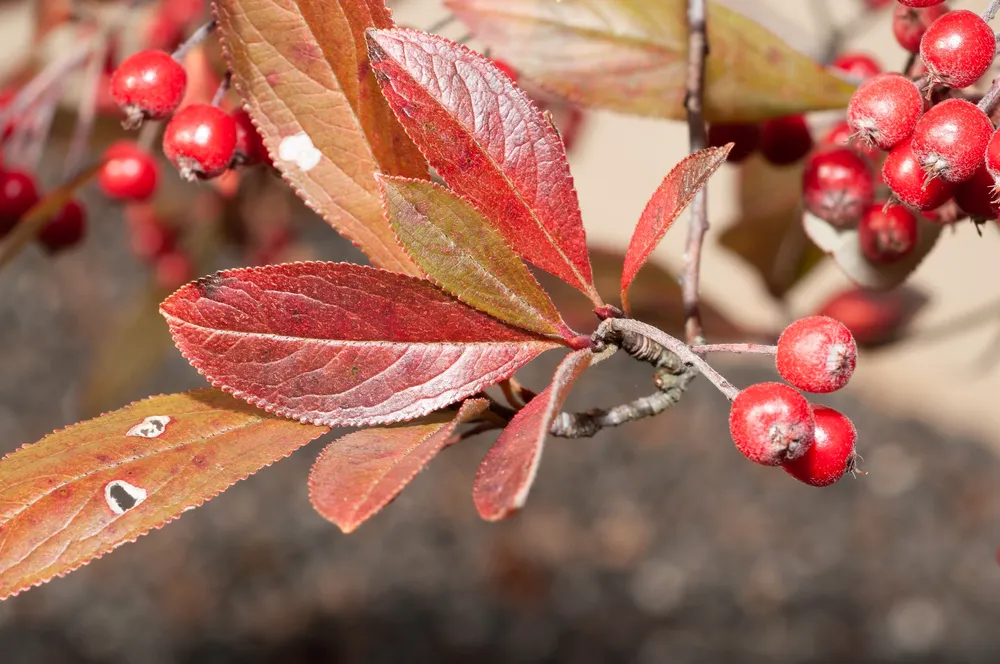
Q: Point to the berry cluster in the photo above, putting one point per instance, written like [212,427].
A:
[19,193]
[774,425]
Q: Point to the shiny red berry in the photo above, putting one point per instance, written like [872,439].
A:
[129,172]
[950,139]
[745,137]
[65,229]
[887,233]
[771,423]
[837,185]
[816,354]
[910,184]
[910,23]
[958,48]
[977,196]
[841,135]
[200,141]
[832,454]
[148,84]
[250,147]
[885,109]
[786,140]
[859,66]
[18,194]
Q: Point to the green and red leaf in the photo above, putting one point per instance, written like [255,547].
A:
[489,143]
[630,56]
[302,68]
[80,492]
[356,476]
[673,195]
[342,344]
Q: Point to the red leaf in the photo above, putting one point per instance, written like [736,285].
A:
[357,475]
[507,472]
[342,344]
[80,492]
[673,195]
[490,143]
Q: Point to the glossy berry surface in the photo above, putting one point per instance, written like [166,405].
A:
[910,23]
[977,196]
[786,140]
[910,184]
[884,110]
[837,185]
[200,141]
[832,454]
[249,145]
[745,137]
[950,139]
[148,84]
[958,48]
[18,194]
[841,135]
[129,172]
[771,423]
[887,233]
[859,66]
[65,229]
[816,354]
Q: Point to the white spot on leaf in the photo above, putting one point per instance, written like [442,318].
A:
[151,427]
[122,496]
[299,150]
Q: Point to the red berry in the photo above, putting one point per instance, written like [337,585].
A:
[816,354]
[771,423]
[841,135]
[200,141]
[958,48]
[977,196]
[506,69]
[887,233]
[885,109]
[746,138]
[902,173]
[65,229]
[129,172]
[832,455]
[874,317]
[992,157]
[785,140]
[149,237]
[909,24]
[249,145]
[950,139]
[148,84]
[837,185]
[18,194]
[173,270]
[860,66]
[920,3]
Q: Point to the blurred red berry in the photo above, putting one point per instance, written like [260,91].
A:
[785,140]
[129,172]
[745,137]
[65,229]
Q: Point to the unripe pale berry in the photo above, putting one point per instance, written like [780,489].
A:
[771,423]
[837,185]
[950,139]
[745,137]
[958,48]
[786,140]
[200,141]
[887,233]
[885,109]
[832,454]
[910,23]
[860,66]
[977,196]
[148,84]
[816,354]
[909,183]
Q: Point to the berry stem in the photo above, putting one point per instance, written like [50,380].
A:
[991,11]
[220,92]
[197,37]
[86,112]
[46,79]
[739,349]
[989,101]
[693,103]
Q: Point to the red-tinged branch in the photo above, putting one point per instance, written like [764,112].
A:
[693,102]
[739,349]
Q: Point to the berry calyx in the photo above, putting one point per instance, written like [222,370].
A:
[148,85]
[771,423]
[832,454]
[950,139]
[786,140]
[249,145]
[884,110]
[977,196]
[910,23]
[129,172]
[841,135]
[18,194]
[887,233]
[859,66]
[908,182]
[200,141]
[838,185]
[65,229]
[746,139]
[958,48]
[816,354]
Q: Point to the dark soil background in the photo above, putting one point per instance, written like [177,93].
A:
[656,542]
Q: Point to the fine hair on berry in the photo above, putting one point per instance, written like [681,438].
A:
[816,354]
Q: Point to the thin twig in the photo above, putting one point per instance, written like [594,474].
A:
[735,348]
[86,112]
[41,84]
[197,37]
[693,103]
[989,101]
[991,11]
[223,89]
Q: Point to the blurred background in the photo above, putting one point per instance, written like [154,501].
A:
[655,542]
